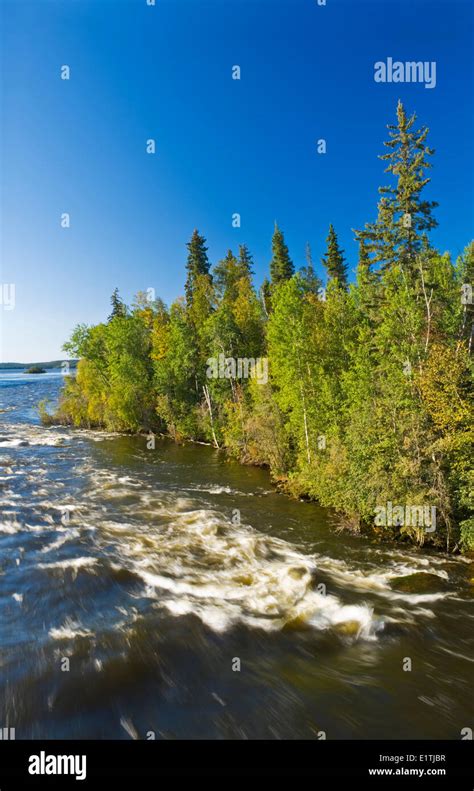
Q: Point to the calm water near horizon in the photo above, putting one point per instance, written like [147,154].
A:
[132,564]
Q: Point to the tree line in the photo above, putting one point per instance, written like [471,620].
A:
[368,399]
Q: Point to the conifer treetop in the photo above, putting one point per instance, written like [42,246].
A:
[281,265]
[197,263]
[334,260]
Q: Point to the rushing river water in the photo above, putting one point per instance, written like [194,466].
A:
[157,572]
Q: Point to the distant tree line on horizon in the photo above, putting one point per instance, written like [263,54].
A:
[369,394]
[48,366]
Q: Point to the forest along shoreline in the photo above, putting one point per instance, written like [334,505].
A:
[356,395]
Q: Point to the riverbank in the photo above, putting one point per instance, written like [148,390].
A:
[152,570]
[367,415]
[391,533]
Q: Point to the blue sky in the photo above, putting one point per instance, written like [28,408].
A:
[223,146]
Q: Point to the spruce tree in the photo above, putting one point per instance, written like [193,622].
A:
[364,258]
[281,265]
[308,277]
[367,283]
[118,307]
[226,274]
[245,262]
[266,296]
[333,260]
[197,263]
[404,216]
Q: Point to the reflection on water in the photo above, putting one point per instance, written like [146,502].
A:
[135,583]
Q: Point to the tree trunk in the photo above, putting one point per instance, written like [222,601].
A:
[207,396]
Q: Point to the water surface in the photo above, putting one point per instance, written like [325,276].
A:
[152,574]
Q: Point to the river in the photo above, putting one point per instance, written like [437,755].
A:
[172,592]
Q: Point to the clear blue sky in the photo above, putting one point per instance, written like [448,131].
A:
[223,146]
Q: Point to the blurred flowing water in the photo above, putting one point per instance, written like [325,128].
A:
[155,572]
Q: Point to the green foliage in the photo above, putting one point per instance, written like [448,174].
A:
[197,263]
[113,384]
[226,275]
[404,216]
[333,260]
[245,261]
[119,310]
[311,283]
[281,265]
[368,399]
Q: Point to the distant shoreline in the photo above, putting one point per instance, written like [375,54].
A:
[48,365]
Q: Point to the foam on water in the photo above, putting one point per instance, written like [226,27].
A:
[10,527]
[190,558]
[69,535]
[73,563]
[197,562]
[69,631]
[15,435]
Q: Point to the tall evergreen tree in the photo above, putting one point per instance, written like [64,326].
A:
[266,296]
[368,292]
[197,263]
[281,265]
[118,307]
[245,262]
[308,277]
[404,216]
[333,260]
[364,258]
[226,274]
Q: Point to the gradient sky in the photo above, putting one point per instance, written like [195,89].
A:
[223,146]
